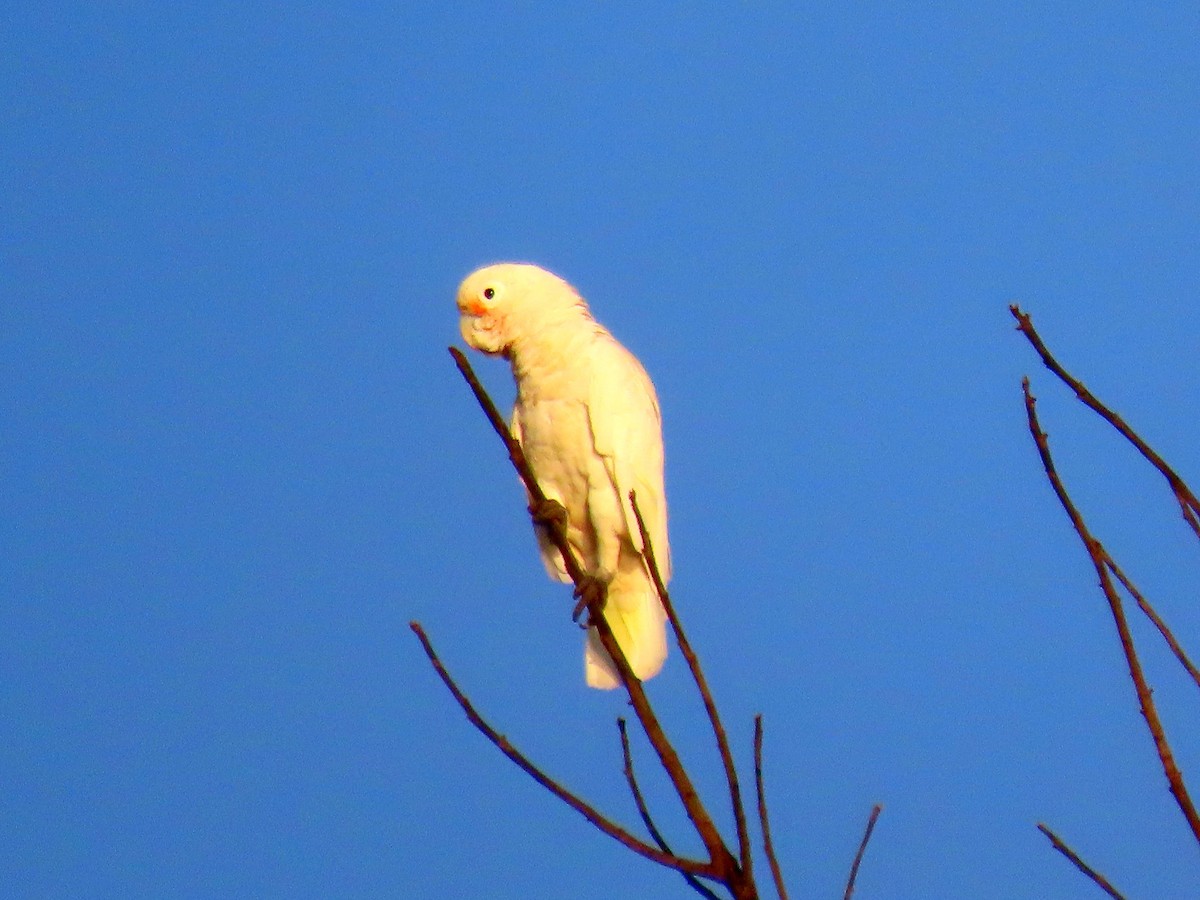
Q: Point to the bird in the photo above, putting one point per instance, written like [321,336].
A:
[588,421]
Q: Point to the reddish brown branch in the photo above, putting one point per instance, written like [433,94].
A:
[764,821]
[862,849]
[710,706]
[1153,616]
[587,811]
[723,866]
[517,456]
[1188,504]
[1101,560]
[1083,867]
[644,812]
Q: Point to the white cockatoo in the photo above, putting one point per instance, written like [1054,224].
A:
[588,421]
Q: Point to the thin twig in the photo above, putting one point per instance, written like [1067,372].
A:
[724,865]
[1100,560]
[610,828]
[644,812]
[1188,504]
[1154,617]
[862,848]
[1083,867]
[763,820]
[710,706]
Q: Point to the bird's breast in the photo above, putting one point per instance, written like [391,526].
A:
[557,440]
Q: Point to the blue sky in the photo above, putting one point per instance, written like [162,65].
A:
[236,459]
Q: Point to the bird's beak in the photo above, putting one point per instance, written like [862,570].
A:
[481,329]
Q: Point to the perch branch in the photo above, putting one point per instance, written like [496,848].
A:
[517,456]
[523,762]
[1188,504]
[710,706]
[763,820]
[644,812]
[723,864]
[1100,560]
[862,848]
[1083,867]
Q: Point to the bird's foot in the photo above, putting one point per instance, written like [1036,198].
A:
[591,594]
[549,513]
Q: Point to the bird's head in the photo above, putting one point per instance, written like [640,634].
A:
[499,303]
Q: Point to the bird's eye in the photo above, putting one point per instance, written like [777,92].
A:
[489,293]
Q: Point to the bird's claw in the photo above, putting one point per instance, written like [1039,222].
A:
[591,594]
[548,512]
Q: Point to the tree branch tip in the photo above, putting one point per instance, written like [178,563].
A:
[862,849]
[1074,858]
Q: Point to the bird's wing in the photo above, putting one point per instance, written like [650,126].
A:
[627,432]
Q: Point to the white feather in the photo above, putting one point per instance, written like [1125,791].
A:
[587,418]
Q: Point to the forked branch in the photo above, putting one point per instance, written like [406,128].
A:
[722,865]
[1152,614]
[734,873]
[1102,562]
[523,762]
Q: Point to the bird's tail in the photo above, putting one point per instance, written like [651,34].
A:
[638,622]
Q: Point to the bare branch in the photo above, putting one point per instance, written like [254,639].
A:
[710,706]
[725,867]
[764,822]
[517,456]
[1188,504]
[862,848]
[1083,867]
[1101,560]
[644,812]
[1154,617]
[588,812]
